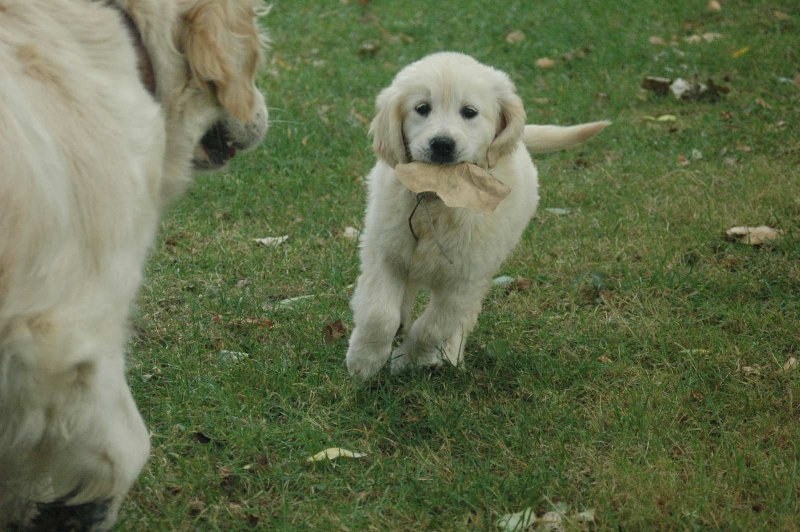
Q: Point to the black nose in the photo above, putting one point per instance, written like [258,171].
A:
[442,149]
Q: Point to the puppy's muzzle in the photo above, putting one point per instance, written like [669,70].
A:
[443,150]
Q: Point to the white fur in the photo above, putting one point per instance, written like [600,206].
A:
[394,265]
[87,160]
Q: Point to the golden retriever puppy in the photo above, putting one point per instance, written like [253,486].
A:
[108,107]
[444,109]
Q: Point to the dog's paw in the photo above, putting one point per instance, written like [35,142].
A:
[364,364]
[406,357]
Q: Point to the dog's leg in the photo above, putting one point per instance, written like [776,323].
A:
[441,331]
[376,307]
[76,441]
[409,298]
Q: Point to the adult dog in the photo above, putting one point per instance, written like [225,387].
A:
[107,108]
[446,108]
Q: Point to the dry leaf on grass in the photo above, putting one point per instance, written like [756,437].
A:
[662,118]
[754,236]
[351,233]
[272,241]
[334,331]
[545,62]
[503,280]
[713,5]
[790,365]
[515,37]
[655,39]
[458,185]
[333,453]
[556,520]
[230,357]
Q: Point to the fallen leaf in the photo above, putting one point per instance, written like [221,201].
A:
[515,37]
[754,236]
[545,62]
[518,521]
[711,36]
[657,40]
[791,364]
[351,233]
[556,520]
[519,284]
[272,241]
[740,52]
[333,453]
[292,301]
[713,5]
[558,211]
[656,84]
[551,522]
[458,185]
[662,118]
[604,359]
[369,48]
[230,357]
[697,91]
[780,15]
[334,331]
[261,322]
[695,351]
[751,370]
[503,280]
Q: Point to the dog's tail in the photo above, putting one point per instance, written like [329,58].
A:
[543,139]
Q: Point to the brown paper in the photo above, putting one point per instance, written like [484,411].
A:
[462,185]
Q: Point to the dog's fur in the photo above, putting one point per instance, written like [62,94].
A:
[89,158]
[446,108]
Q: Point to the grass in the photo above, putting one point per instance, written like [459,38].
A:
[640,376]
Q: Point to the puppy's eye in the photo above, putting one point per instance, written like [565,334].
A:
[469,112]
[423,109]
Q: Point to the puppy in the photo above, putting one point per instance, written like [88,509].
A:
[109,106]
[444,109]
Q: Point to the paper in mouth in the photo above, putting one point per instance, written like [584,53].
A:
[462,185]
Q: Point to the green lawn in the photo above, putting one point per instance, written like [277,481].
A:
[641,375]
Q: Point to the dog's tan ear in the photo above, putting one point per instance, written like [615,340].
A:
[510,125]
[386,128]
[223,47]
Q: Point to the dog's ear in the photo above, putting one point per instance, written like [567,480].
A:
[386,128]
[511,123]
[223,47]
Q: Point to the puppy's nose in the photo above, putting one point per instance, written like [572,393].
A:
[443,149]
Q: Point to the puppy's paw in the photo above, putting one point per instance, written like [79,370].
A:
[364,364]
[406,357]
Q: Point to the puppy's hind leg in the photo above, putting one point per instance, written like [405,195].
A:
[376,307]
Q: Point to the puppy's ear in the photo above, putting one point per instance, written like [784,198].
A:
[223,47]
[387,128]
[510,125]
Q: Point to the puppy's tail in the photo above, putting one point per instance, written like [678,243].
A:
[543,139]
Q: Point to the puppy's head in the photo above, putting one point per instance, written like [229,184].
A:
[223,46]
[447,108]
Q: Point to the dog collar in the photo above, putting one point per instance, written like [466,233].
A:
[147,74]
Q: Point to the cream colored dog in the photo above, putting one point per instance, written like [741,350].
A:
[446,108]
[107,107]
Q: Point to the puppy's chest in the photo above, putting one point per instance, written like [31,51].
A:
[443,238]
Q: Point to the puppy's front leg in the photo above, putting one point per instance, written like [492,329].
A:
[441,331]
[376,312]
